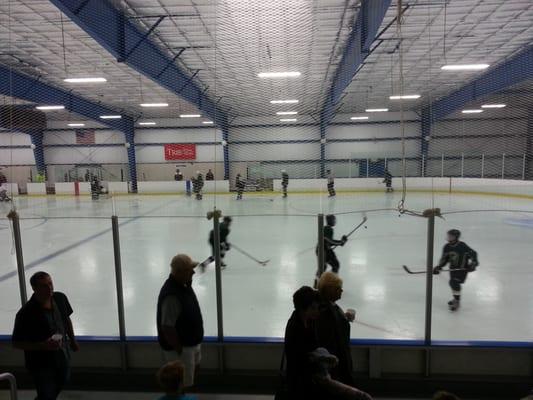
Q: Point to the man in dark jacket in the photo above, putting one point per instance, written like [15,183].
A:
[44,331]
[180,326]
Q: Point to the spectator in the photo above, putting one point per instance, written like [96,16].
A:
[321,363]
[333,326]
[178,176]
[300,340]
[209,176]
[44,331]
[180,325]
[170,379]
[3,178]
[445,396]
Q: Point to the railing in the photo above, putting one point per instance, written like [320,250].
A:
[12,384]
[140,259]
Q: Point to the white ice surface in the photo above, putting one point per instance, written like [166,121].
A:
[71,239]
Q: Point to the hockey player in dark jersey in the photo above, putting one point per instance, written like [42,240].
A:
[329,244]
[462,260]
[284,181]
[240,184]
[224,244]
[198,185]
[387,180]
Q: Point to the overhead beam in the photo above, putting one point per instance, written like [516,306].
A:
[24,87]
[357,48]
[127,42]
[508,73]
[513,71]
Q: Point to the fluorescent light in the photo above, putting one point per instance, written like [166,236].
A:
[493,105]
[85,80]
[288,120]
[146,123]
[110,116]
[76,125]
[291,74]
[377,110]
[284,101]
[190,115]
[154,104]
[50,107]
[405,97]
[358,118]
[474,111]
[207,122]
[465,67]
[287,113]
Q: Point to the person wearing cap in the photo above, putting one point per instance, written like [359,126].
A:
[180,327]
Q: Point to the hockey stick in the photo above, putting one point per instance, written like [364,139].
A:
[419,272]
[263,263]
[354,229]
[357,227]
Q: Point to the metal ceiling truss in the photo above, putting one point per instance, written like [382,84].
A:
[113,30]
[31,89]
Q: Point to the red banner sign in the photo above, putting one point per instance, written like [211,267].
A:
[180,152]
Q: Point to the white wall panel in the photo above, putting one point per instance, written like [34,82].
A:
[14,139]
[264,152]
[16,157]
[378,149]
[177,135]
[85,155]
[275,133]
[365,131]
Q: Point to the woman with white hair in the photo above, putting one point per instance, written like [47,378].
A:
[333,326]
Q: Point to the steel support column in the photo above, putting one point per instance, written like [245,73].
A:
[129,134]
[225,149]
[38,151]
[529,146]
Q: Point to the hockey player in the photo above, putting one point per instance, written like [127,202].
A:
[198,184]
[284,182]
[329,243]
[224,244]
[331,183]
[239,185]
[462,260]
[387,180]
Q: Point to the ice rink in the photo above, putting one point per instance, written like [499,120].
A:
[71,239]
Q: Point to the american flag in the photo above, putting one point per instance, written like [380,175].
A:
[84,136]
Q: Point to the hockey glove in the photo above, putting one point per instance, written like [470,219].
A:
[344,239]
[436,270]
[472,266]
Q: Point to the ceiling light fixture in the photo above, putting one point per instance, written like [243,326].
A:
[150,123]
[190,115]
[44,108]
[288,120]
[464,67]
[290,74]
[110,116]
[85,80]
[287,113]
[493,105]
[207,122]
[76,125]
[405,97]
[358,118]
[284,101]
[473,111]
[377,110]
[154,104]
